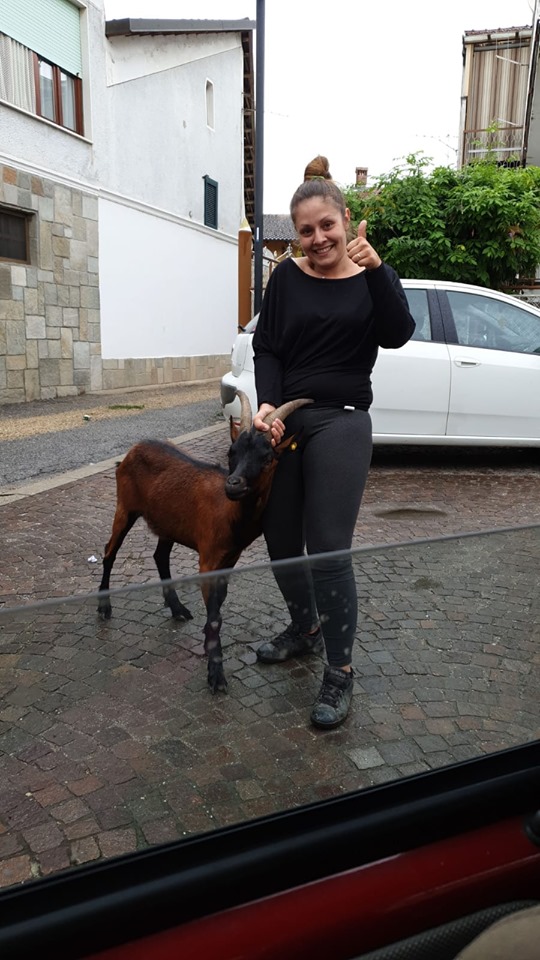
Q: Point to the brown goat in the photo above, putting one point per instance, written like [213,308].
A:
[202,506]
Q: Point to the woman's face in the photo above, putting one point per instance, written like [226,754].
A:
[322,231]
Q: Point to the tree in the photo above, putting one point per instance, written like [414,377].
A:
[480,224]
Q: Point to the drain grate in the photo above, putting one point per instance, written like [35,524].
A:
[397,513]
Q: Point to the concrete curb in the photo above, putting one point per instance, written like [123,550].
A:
[12,493]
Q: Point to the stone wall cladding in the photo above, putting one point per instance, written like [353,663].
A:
[45,348]
[50,334]
[119,374]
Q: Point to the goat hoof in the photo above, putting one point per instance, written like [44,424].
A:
[105,611]
[182,614]
[216,680]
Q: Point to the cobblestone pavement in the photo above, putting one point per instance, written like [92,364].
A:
[109,738]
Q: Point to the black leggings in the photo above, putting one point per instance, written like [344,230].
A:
[314,505]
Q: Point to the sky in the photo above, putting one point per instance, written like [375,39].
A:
[362,83]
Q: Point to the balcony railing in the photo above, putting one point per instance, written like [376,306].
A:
[505,145]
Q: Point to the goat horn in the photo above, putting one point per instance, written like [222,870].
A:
[284,410]
[246,417]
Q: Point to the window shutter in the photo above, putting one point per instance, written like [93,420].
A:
[51,28]
[210,202]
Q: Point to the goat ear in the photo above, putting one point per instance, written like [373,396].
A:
[234,428]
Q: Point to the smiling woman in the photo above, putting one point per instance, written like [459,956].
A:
[323,318]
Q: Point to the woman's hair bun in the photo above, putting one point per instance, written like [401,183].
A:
[318,183]
[318,168]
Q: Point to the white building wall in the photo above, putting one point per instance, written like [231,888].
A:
[146,136]
[161,150]
[167,284]
[171,293]
[50,149]
[163,146]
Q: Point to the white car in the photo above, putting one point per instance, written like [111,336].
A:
[469,375]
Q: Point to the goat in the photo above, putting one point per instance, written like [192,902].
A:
[202,506]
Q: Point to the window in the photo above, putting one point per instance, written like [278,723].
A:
[58,96]
[210,202]
[493,324]
[46,90]
[418,305]
[40,60]
[210,103]
[14,236]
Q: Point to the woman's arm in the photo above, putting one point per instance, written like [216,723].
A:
[394,324]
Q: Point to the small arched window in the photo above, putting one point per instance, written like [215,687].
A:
[210,103]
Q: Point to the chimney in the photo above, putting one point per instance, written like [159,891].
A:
[361,175]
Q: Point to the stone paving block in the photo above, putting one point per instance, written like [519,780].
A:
[367,758]
[70,811]
[114,817]
[84,851]
[161,831]
[51,861]
[15,870]
[26,814]
[52,795]
[45,837]
[80,828]
[10,844]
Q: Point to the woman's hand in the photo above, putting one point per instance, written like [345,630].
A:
[277,428]
[361,252]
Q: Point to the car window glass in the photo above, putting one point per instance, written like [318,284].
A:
[111,741]
[418,305]
[114,740]
[487,322]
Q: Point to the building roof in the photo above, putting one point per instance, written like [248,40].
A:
[499,33]
[130,27]
[278,226]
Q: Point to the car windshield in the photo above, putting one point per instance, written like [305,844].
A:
[111,740]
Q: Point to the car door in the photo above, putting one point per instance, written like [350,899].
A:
[495,378]
[411,385]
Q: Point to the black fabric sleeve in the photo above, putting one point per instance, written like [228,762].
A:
[268,366]
[393,321]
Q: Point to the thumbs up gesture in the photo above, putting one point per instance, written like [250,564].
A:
[360,250]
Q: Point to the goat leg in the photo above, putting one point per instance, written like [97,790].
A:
[212,646]
[122,524]
[162,555]
[214,594]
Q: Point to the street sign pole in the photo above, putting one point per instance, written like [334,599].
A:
[259,158]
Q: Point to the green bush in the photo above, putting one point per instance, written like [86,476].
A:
[480,224]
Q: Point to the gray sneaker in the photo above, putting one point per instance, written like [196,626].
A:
[332,705]
[290,643]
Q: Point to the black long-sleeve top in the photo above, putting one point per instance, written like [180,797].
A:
[319,338]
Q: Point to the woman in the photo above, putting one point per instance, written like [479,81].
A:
[323,317]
